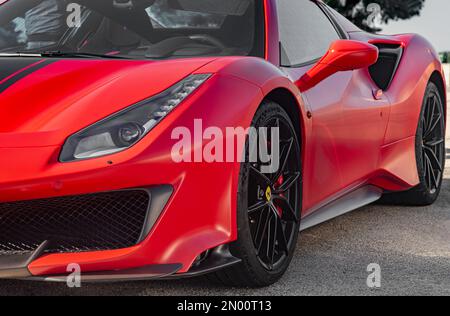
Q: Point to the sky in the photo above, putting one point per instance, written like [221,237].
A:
[433,23]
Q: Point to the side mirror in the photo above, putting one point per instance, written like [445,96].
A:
[343,55]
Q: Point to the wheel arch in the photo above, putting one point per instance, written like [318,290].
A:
[436,78]
[289,103]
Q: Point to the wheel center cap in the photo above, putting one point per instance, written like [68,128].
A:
[269,194]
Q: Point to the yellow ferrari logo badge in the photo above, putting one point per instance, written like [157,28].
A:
[268,194]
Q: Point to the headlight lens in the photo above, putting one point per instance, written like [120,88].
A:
[124,129]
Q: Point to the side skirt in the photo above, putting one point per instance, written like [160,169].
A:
[360,197]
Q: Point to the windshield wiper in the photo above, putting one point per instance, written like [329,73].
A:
[79,54]
[55,54]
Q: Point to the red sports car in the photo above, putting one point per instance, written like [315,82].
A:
[97,99]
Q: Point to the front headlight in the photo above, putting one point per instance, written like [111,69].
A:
[124,129]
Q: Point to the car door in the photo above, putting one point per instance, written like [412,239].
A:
[348,123]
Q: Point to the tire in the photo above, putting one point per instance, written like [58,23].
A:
[430,154]
[280,213]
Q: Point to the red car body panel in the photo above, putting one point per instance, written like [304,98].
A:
[349,139]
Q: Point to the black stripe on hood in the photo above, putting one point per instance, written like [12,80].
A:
[12,69]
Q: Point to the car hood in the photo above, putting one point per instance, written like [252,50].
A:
[43,101]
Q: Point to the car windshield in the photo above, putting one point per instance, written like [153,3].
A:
[142,29]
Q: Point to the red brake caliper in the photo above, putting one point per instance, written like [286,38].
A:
[279,183]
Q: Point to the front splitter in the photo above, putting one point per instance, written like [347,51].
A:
[145,273]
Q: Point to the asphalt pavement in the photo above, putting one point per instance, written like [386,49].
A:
[411,246]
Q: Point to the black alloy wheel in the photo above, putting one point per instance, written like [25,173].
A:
[433,143]
[269,206]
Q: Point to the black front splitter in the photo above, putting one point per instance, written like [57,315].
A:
[146,273]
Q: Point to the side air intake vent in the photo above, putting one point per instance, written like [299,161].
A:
[384,70]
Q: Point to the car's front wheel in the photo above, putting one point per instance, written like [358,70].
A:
[269,206]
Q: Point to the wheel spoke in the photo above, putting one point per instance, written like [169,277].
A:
[284,157]
[429,114]
[258,227]
[434,142]
[257,207]
[260,242]
[281,237]
[424,159]
[274,241]
[429,173]
[435,163]
[424,123]
[262,178]
[434,178]
[435,173]
[288,183]
[435,120]
[277,123]
[269,239]
[289,213]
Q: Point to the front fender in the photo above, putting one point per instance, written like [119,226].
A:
[266,76]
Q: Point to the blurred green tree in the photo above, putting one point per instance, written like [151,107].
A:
[363,13]
[445,57]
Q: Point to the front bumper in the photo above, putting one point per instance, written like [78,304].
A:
[73,227]
[180,226]
[99,260]
[189,224]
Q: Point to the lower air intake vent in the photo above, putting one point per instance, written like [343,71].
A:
[95,222]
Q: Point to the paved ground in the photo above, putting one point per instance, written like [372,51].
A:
[412,246]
